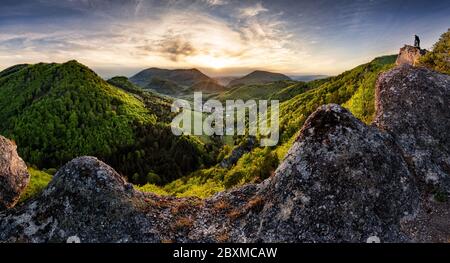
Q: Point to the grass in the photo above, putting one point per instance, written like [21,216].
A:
[38,181]
[151,188]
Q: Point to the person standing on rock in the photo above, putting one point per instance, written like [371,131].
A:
[416,41]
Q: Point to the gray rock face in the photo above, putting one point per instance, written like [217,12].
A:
[14,175]
[342,181]
[86,199]
[413,104]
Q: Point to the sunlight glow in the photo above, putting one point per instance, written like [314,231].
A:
[213,62]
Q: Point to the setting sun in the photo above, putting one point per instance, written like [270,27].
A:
[213,62]
[216,63]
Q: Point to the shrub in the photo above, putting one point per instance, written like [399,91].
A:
[439,58]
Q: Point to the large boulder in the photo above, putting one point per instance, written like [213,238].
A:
[87,201]
[413,104]
[341,181]
[14,175]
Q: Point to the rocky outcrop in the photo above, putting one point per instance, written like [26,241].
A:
[85,200]
[14,175]
[413,104]
[409,55]
[342,181]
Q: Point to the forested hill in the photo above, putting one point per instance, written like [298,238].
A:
[58,111]
[175,82]
[183,77]
[355,89]
[258,77]
[55,112]
[156,103]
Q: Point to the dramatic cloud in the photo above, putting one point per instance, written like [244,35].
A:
[174,47]
[215,2]
[252,10]
[170,39]
[218,36]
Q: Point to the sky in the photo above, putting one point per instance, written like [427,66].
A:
[219,37]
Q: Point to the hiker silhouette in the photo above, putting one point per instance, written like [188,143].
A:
[416,41]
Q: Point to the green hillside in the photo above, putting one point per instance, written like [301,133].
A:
[59,111]
[258,77]
[439,58]
[339,90]
[56,112]
[125,84]
[295,89]
[38,181]
[175,82]
[256,91]
[154,102]
[12,70]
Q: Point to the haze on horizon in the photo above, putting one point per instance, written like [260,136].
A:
[220,37]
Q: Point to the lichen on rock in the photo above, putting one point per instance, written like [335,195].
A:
[14,176]
[413,104]
[409,55]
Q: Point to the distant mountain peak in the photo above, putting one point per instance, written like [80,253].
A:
[258,77]
[175,81]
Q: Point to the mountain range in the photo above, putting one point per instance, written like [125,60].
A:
[175,82]
[180,82]
[258,77]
